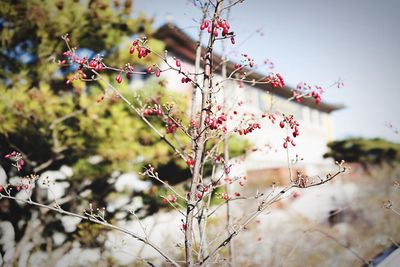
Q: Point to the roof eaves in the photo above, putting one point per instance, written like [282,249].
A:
[180,43]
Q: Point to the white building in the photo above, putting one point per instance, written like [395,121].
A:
[315,120]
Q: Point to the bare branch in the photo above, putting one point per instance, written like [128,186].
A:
[98,221]
[265,203]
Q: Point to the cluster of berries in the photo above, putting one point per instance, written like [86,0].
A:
[215,122]
[142,51]
[185,80]
[220,25]
[18,187]
[16,157]
[156,111]
[170,198]
[171,126]
[304,89]
[249,129]
[248,60]
[276,80]
[271,117]
[290,122]
[96,64]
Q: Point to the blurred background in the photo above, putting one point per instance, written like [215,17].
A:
[83,151]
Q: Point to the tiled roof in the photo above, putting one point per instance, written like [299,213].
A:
[179,43]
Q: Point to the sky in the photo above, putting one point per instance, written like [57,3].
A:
[318,42]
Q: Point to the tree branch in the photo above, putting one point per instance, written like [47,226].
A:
[98,221]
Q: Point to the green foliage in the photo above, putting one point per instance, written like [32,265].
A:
[31,30]
[50,121]
[238,146]
[54,124]
[91,235]
[71,128]
[365,151]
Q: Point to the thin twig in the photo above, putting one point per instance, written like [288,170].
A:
[98,221]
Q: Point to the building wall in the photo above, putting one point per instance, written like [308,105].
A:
[315,126]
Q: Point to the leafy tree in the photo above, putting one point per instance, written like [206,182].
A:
[364,151]
[40,113]
[53,123]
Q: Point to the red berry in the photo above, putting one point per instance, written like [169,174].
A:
[225,196]
[296,194]
[215,32]
[281,124]
[158,72]
[190,162]
[132,50]
[140,52]
[173,198]
[285,145]
[213,125]
[149,69]
[178,63]
[98,67]
[118,78]
[92,63]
